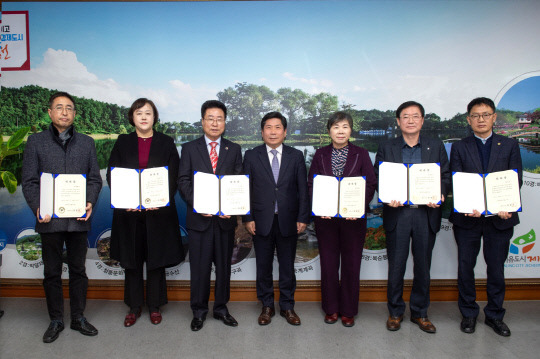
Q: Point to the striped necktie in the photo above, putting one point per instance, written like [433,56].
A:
[213,155]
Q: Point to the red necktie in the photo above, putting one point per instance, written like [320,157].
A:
[213,155]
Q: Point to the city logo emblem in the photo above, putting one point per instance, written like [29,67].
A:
[523,244]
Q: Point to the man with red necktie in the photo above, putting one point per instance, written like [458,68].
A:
[211,237]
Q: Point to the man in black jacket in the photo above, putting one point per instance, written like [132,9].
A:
[483,152]
[211,237]
[414,226]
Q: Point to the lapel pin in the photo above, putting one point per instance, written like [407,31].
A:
[498,143]
[428,148]
[226,148]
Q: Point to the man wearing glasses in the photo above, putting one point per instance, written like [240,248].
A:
[211,237]
[412,226]
[483,152]
[62,150]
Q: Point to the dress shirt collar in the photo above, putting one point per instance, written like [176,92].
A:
[484,140]
[279,149]
[209,140]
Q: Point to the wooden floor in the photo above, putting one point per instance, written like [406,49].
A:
[308,291]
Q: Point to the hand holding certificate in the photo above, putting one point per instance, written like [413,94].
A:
[140,189]
[62,195]
[488,194]
[220,195]
[412,184]
[342,197]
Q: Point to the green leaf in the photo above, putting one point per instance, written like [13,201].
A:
[9,181]
[17,138]
[11,152]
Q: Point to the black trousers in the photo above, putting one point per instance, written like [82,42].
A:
[412,230]
[286,253]
[156,284]
[52,249]
[496,244]
[211,246]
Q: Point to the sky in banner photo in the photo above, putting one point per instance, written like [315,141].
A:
[369,54]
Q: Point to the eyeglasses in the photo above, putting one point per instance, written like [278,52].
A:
[218,120]
[413,117]
[61,108]
[485,116]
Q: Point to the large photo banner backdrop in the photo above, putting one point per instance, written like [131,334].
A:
[306,59]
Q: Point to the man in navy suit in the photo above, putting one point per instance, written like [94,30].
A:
[416,224]
[279,212]
[483,152]
[211,238]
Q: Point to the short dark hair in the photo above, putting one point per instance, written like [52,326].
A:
[274,114]
[338,117]
[60,94]
[404,105]
[140,102]
[213,104]
[480,101]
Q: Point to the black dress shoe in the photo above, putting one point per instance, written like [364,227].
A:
[82,326]
[197,324]
[53,331]
[498,326]
[468,325]
[227,319]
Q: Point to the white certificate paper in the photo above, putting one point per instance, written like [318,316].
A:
[424,183]
[392,182]
[205,193]
[154,187]
[62,195]
[339,196]
[502,192]
[487,193]
[352,197]
[325,196]
[46,195]
[141,189]
[468,192]
[234,192]
[221,195]
[125,188]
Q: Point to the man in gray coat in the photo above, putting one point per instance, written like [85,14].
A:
[61,150]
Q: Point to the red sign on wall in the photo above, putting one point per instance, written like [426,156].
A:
[14,41]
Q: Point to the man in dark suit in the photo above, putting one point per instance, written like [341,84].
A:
[279,212]
[418,224]
[211,237]
[60,149]
[483,152]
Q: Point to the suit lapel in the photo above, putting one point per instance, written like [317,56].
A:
[327,162]
[473,152]
[350,163]
[495,150]
[396,149]
[263,157]
[426,150]
[155,151]
[222,156]
[205,156]
[285,161]
[133,156]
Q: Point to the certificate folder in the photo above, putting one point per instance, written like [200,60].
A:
[220,195]
[410,183]
[488,193]
[62,195]
[139,188]
[341,197]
